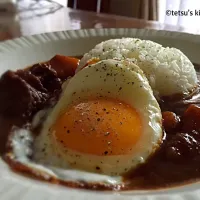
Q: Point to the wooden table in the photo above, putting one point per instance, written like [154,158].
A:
[62,18]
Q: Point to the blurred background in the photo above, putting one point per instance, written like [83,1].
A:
[25,17]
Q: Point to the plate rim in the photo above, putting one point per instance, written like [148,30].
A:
[25,41]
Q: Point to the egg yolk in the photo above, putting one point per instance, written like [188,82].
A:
[99,127]
[90,62]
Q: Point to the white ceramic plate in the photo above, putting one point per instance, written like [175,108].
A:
[25,51]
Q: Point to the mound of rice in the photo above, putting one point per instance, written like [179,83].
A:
[168,70]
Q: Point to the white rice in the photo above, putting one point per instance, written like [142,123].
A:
[168,70]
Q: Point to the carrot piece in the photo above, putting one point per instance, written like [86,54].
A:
[64,65]
[191,119]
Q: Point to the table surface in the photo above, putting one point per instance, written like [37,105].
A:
[57,18]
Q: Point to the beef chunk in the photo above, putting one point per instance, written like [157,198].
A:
[17,97]
[24,92]
[47,76]
[31,79]
[182,146]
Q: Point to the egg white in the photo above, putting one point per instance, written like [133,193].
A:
[90,82]
[20,142]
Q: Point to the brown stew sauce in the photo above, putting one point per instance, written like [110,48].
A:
[176,162]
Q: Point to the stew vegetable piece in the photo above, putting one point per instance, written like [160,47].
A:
[65,66]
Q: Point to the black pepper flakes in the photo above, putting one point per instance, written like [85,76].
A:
[68,131]
[105,152]
[98,119]
[98,168]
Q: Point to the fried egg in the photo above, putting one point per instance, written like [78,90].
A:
[168,70]
[107,121]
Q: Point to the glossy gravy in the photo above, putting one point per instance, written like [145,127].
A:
[176,162]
